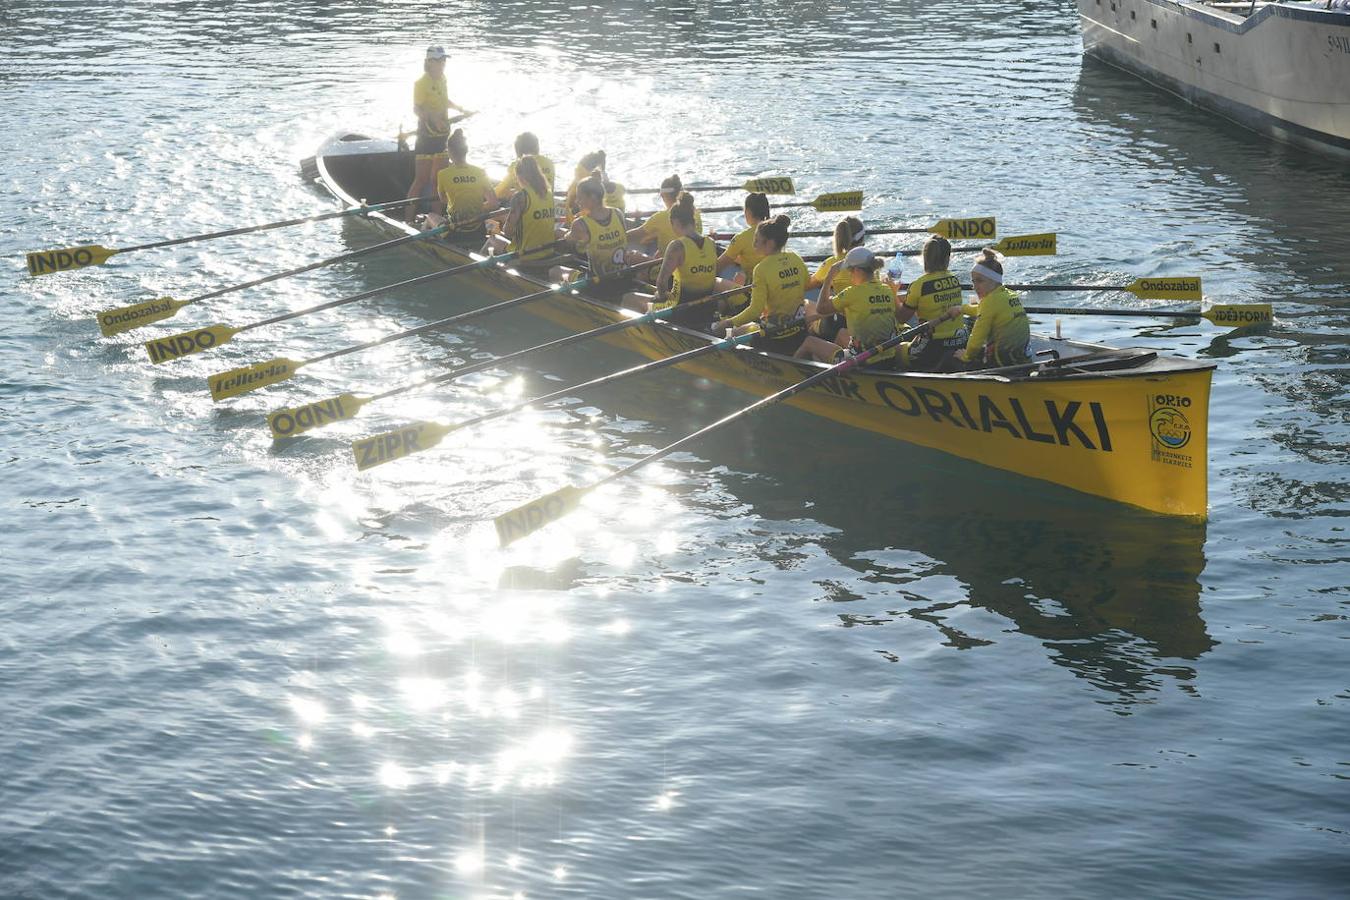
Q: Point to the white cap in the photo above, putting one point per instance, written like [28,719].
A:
[436,52]
[859,258]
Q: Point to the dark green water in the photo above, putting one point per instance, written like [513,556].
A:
[231,670]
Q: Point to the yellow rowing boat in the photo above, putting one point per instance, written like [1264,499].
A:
[1130,426]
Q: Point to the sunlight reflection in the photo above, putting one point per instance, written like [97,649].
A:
[309,711]
[422,694]
[392,775]
[469,862]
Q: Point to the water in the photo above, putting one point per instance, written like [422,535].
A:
[231,669]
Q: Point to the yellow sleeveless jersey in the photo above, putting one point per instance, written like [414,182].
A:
[461,187]
[536,225]
[510,184]
[697,275]
[605,244]
[742,251]
[869,310]
[932,294]
[659,227]
[1002,327]
[779,289]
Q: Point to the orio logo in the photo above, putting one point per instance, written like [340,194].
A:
[1170,427]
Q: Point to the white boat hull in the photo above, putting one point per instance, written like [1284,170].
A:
[1284,70]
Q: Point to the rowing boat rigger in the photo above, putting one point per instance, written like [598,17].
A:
[1126,425]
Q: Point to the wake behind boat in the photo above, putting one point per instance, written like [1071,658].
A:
[1126,425]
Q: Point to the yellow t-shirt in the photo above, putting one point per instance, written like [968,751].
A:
[869,310]
[742,251]
[1003,327]
[536,226]
[842,280]
[932,294]
[605,244]
[510,184]
[658,227]
[461,187]
[432,95]
[779,289]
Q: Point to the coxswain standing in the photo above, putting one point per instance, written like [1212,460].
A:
[601,235]
[777,294]
[466,191]
[1002,334]
[868,307]
[527,144]
[431,104]
[929,298]
[688,271]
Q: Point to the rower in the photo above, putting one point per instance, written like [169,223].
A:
[688,271]
[600,233]
[1002,335]
[590,163]
[777,295]
[929,297]
[529,220]
[431,104]
[657,230]
[527,144]
[849,233]
[466,191]
[741,250]
[868,307]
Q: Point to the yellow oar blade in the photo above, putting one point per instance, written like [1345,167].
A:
[382,448]
[1173,288]
[45,262]
[126,318]
[979,229]
[1029,245]
[527,519]
[770,186]
[845,201]
[1240,315]
[296,420]
[188,343]
[251,378]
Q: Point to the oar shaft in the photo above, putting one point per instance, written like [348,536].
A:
[268,226]
[1082,311]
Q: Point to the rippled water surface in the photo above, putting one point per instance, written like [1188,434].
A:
[763,669]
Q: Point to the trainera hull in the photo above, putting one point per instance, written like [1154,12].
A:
[1282,69]
[1134,435]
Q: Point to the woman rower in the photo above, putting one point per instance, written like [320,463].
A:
[527,144]
[849,233]
[930,296]
[688,271]
[778,292]
[1002,335]
[741,251]
[529,221]
[600,233]
[657,229]
[868,307]
[466,191]
[431,104]
[590,163]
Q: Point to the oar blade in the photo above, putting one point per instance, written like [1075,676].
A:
[45,262]
[982,228]
[293,421]
[1167,288]
[188,343]
[127,318]
[383,448]
[251,378]
[1029,245]
[770,186]
[526,520]
[1240,315]
[843,201]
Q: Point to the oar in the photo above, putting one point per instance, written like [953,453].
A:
[294,421]
[1018,245]
[985,228]
[1177,287]
[260,375]
[1228,315]
[767,185]
[844,201]
[44,262]
[127,318]
[199,340]
[527,519]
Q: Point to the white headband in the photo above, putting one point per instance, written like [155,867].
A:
[982,269]
[862,233]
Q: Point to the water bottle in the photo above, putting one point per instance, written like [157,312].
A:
[895,268]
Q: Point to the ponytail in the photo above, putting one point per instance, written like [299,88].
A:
[683,210]
[457,146]
[774,230]
[757,205]
[528,173]
[593,186]
[989,259]
[849,233]
[937,254]
[672,185]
